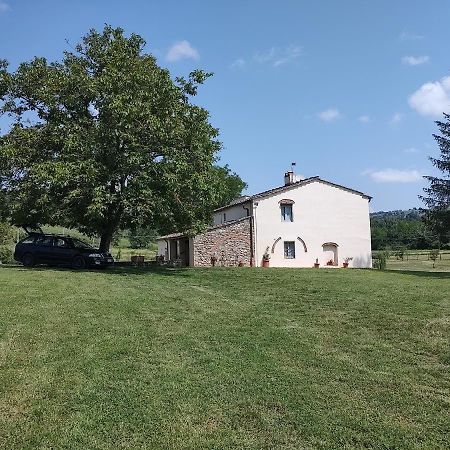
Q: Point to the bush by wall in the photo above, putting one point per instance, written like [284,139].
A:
[379,260]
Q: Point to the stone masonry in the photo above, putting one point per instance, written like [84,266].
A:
[229,243]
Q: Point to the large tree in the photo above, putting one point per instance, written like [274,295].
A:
[105,139]
[437,196]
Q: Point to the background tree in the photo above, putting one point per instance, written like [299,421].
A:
[142,237]
[230,185]
[106,140]
[438,194]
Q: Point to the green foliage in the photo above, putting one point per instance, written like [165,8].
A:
[7,233]
[115,142]
[230,185]
[434,255]
[6,254]
[437,195]
[401,229]
[399,253]
[142,237]
[380,259]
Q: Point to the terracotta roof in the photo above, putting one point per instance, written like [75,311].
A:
[287,188]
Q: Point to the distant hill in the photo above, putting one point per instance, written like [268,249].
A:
[406,214]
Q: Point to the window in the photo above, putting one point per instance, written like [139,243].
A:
[46,241]
[80,244]
[289,250]
[286,213]
[28,240]
[59,242]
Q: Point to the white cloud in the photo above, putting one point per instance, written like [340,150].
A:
[411,150]
[263,57]
[364,119]
[432,99]
[407,36]
[415,60]
[396,118]
[394,176]
[182,50]
[278,56]
[329,115]
[4,7]
[289,54]
[238,64]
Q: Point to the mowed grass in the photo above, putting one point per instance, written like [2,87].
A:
[224,358]
[420,264]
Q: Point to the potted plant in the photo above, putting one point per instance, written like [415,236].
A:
[213,260]
[330,263]
[346,261]
[266,258]
[316,264]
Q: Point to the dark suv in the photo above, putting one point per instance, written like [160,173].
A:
[41,248]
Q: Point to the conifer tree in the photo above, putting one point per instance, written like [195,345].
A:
[437,197]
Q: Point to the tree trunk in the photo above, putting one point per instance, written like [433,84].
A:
[105,241]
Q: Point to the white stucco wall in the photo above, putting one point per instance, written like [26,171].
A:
[322,214]
[232,213]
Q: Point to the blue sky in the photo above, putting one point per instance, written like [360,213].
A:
[347,89]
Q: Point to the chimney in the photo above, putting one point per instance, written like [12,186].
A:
[289,178]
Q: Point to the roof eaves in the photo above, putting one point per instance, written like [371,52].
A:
[288,187]
[354,191]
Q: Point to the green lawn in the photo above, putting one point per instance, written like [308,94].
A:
[224,358]
[419,260]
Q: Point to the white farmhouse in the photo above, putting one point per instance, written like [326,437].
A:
[303,222]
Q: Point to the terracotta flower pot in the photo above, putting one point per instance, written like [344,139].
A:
[316,265]
[345,265]
[265,263]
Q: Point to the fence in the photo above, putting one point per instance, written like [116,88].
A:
[414,255]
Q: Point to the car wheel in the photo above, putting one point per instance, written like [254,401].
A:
[28,260]
[78,262]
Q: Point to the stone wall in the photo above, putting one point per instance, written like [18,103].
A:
[229,243]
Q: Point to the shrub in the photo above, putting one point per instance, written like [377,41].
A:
[379,260]
[433,255]
[400,253]
[6,255]
[6,233]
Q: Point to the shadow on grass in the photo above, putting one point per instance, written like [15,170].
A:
[421,273]
[122,271]
[126,271]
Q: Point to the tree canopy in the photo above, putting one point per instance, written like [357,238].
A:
[105,139]
[437,195]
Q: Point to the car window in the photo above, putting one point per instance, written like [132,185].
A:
[45,241]
[61,243]
[80,244]
[28,240]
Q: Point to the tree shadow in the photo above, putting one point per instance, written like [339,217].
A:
[120,271]
[421,273]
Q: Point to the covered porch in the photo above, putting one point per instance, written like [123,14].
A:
[175,249]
